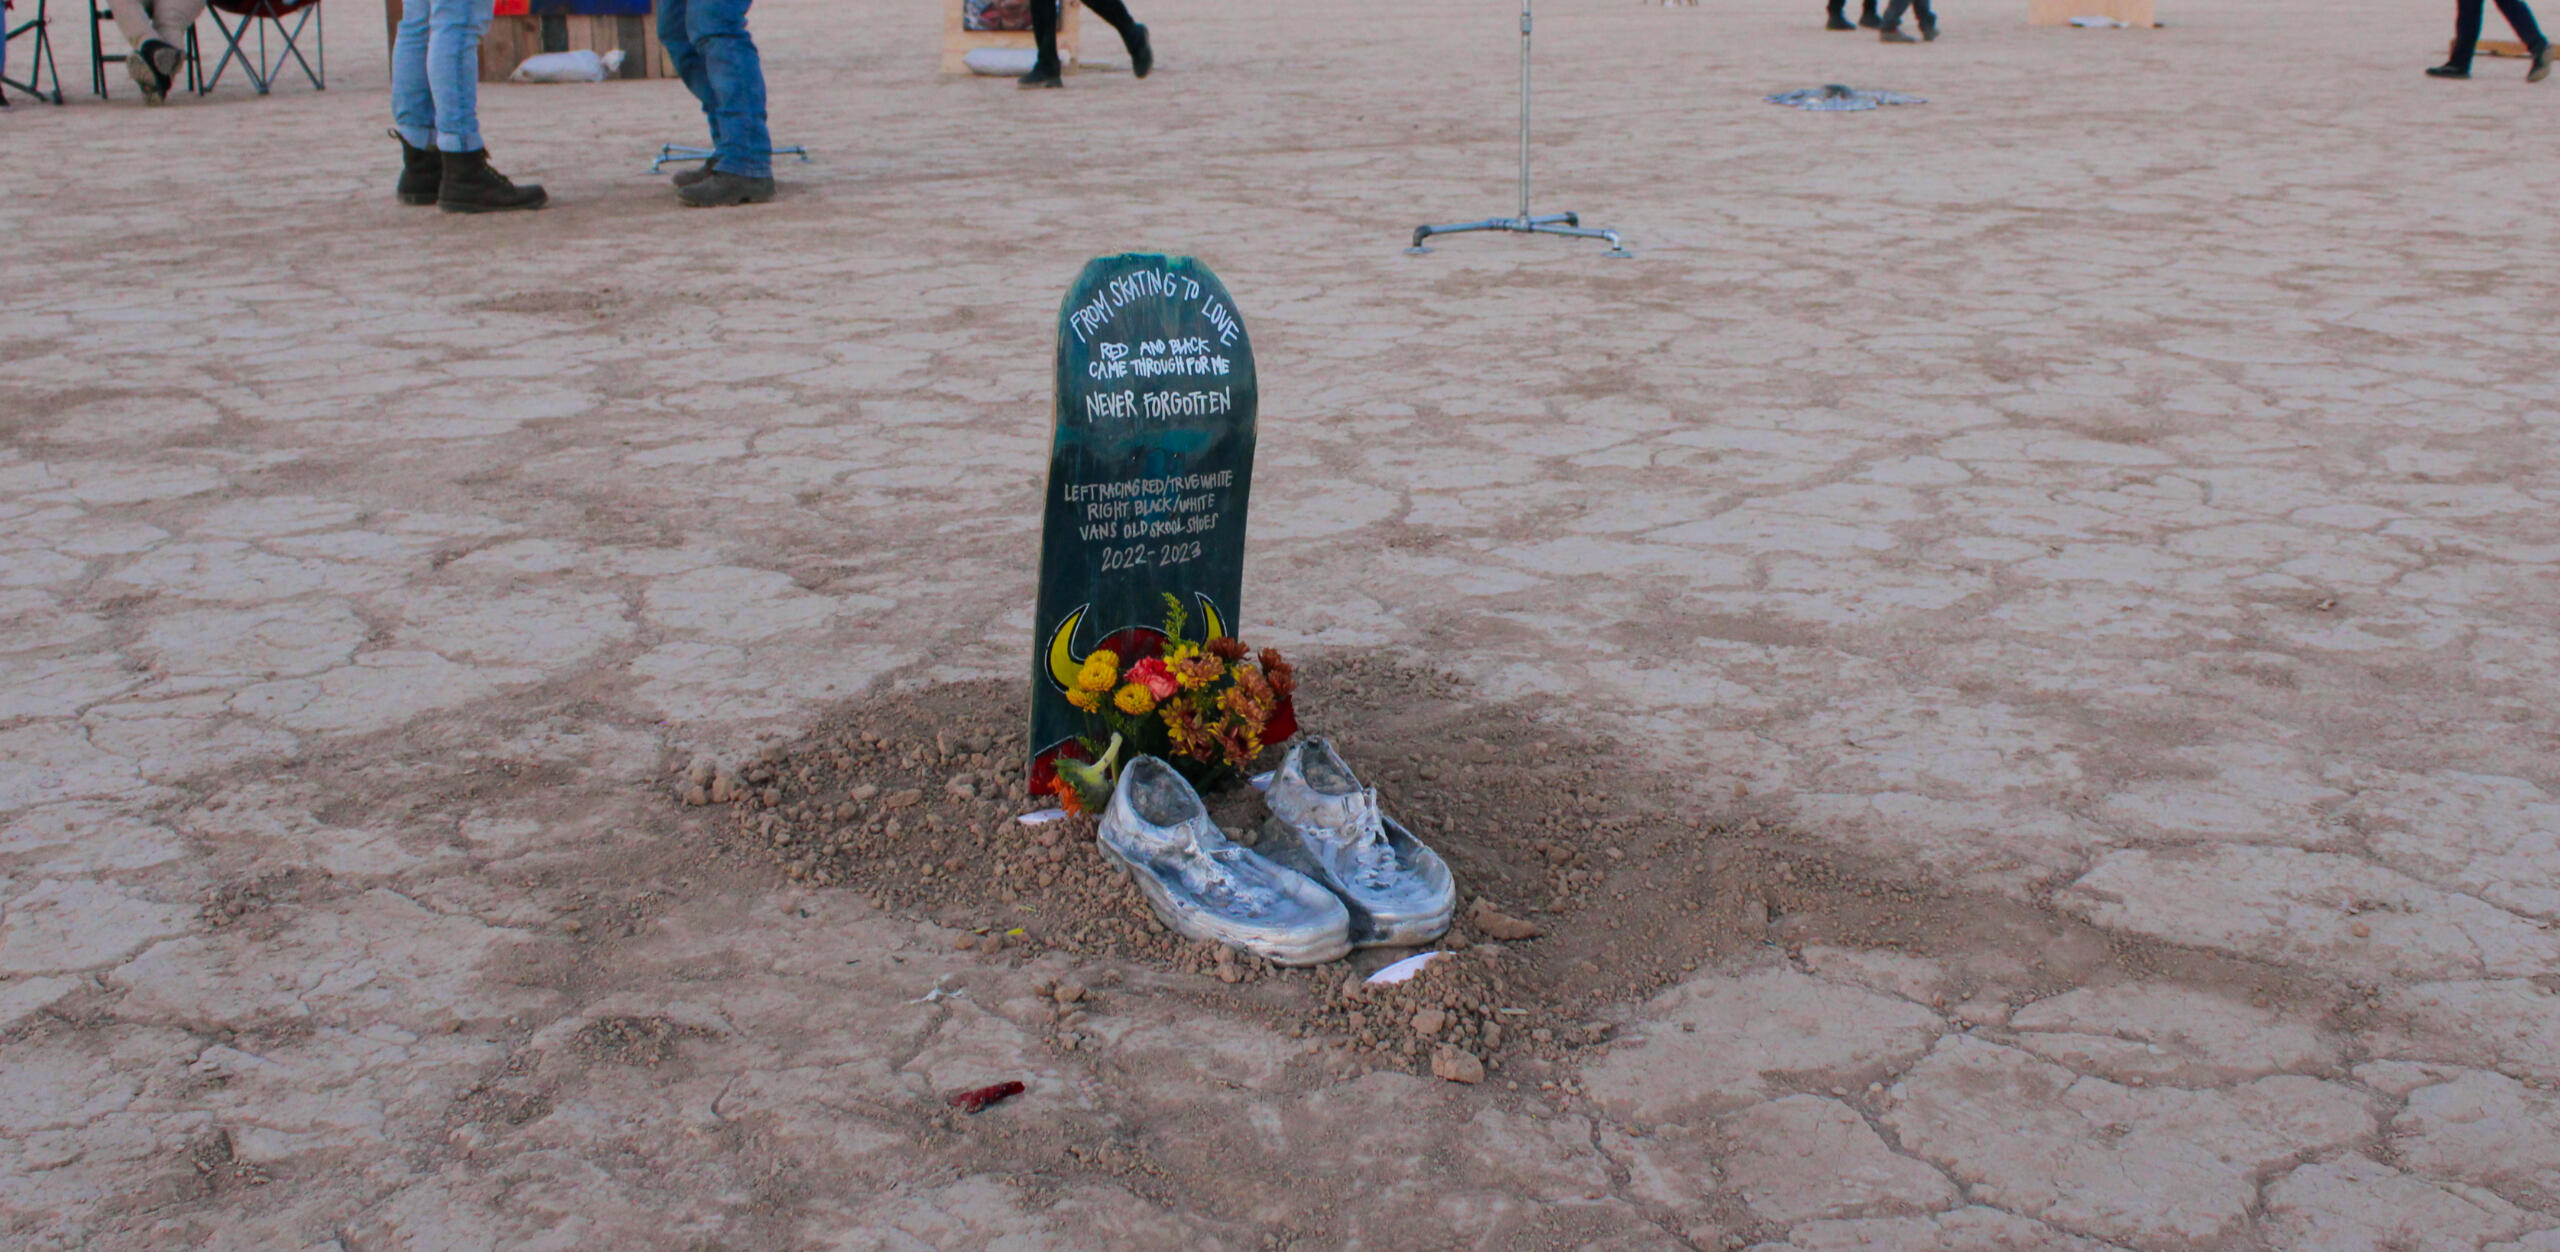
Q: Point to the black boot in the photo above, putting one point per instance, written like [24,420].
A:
[2541,64]
[1892,34]
[1142,55]
[470,186]
[2448,70]
[724,188]
[1929,32]
[421,172]
[1839,19]
[1043,74]
[1867,16]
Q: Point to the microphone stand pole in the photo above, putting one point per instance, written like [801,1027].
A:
[1524,223]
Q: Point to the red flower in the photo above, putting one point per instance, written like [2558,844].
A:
[1227,648]
[1283,721]
[1152,675]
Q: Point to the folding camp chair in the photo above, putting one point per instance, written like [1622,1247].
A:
[280,22]
[44,68]
[102,18]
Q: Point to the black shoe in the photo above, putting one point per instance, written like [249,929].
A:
[2448,71]
[421,173]
[2541,64]
[1043,74]
[154,67]
[471,186]
[724,188]
[689,177]
[1928,32]
[1839,22]
[1142,55]
[1890,35]
[1867,18]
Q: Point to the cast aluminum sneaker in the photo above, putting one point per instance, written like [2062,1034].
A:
[1206,886]
[1329,827]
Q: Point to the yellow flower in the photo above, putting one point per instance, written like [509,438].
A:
[1101,670]
[1089,701]
[1135,700]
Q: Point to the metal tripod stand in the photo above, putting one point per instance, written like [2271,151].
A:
[1525,223]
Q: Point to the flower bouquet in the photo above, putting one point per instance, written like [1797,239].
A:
[1207,707]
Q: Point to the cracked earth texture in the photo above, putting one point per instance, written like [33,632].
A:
[2123,485]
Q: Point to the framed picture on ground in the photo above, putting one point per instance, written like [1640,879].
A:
[968,25]
[983,15]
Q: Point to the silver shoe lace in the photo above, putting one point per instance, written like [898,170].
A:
[1211,876]
[1373,857]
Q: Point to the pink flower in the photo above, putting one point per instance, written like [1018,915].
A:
[1152,675]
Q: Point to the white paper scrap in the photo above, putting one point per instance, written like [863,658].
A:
[1042,817]
[1403,969]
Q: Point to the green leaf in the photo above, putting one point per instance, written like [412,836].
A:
[1093,781]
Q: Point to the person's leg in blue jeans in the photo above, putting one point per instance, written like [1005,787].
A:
[716,57]
[697,78]
[435,107]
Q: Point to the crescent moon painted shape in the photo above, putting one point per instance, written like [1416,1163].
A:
[1063,661]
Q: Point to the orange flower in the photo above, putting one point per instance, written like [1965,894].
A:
[1283,676]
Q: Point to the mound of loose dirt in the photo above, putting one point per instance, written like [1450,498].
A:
[1583,883]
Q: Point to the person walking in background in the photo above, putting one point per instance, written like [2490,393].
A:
[1840,16]
[2466,39]
[1892,32]
[1044,32]
[435,111]
[712,51]
[157,31]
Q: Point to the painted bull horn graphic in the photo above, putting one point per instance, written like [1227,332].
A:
[1065,660]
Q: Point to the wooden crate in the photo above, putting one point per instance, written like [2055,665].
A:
[511,39]
[958,41]
[2060,12]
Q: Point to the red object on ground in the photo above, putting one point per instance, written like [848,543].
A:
[972,1101]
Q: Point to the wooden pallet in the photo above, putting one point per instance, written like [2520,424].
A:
[958,41]
[511,39]
[2503,48]
[2060,12]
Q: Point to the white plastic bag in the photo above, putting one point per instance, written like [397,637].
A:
[581,66]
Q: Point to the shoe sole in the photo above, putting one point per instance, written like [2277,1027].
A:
[2539,72]
[491,208]
[751,198]
[147,77]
